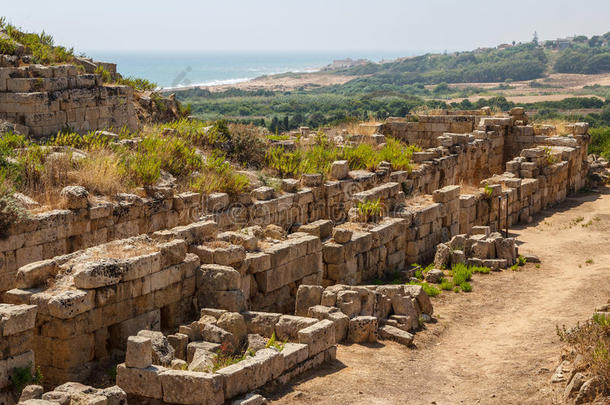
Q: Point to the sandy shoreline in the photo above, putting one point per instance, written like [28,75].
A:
[280,82]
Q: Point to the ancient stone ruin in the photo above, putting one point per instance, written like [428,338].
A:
[274,279]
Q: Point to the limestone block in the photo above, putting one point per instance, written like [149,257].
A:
[215,277]
[333,253]
[318,337]
[75,197]
[235,324]
[263,193]
[102,273]
[339,319]
[339,169]
[139,352]
[162,351]
[312,180]
[252,372]
[179,342]
[232,300]
[342,235]
[362,329]
[391,333]
[15,319]
[193,347]
[262,323]
[70,303]
[248,241]
[307,296]
[446,194]
[290,185]
[294,353]
[349,302]
[217,202]
[423,301]
[288,326]
[36,273]
[144,382]
[188,387]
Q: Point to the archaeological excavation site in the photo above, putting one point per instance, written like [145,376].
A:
[148,257]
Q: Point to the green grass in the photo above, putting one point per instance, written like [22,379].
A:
[430,290]
[319,157]
[521,260]
[446,285]
[40,46]
[466,287]
[369,210]
[461,273]
[480,269]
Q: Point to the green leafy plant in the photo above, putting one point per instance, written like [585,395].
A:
[274,343]
[23,376]
[369,210]
[521,260]
[488,191]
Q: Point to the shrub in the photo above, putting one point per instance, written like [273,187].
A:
[137,83]
[219,176]
[521,260]
[591,341]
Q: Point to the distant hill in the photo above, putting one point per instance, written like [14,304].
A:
[505,63]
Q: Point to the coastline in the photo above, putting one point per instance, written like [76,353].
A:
[275,82]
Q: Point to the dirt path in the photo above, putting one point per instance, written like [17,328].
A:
[495,345]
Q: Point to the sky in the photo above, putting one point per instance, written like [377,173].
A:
[304,25]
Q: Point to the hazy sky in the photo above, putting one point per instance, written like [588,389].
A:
[306,25]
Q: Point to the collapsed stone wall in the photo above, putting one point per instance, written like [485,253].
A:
[308,343]
[90,301]
[84,224]
[42,100]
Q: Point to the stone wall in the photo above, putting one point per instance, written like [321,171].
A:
[309,343]
[16,333]
[362,252]
[45,99]
[90,301]
[85,224]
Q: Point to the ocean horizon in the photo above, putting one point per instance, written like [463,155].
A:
[182,69]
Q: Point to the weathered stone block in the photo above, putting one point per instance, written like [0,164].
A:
[139,352]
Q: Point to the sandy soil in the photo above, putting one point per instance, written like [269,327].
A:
[495,345]
[287,82]
[567,85]
[532,98]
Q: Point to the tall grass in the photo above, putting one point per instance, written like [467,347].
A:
[319,157]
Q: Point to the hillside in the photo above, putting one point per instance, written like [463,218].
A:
[536,76]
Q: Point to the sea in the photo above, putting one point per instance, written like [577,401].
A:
[182,69]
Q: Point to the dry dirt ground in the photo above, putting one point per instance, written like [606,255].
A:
[566,85]
[495,345]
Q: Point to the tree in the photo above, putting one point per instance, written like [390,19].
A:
[595,41]
[535,39]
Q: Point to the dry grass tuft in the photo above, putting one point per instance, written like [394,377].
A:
[590,340]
